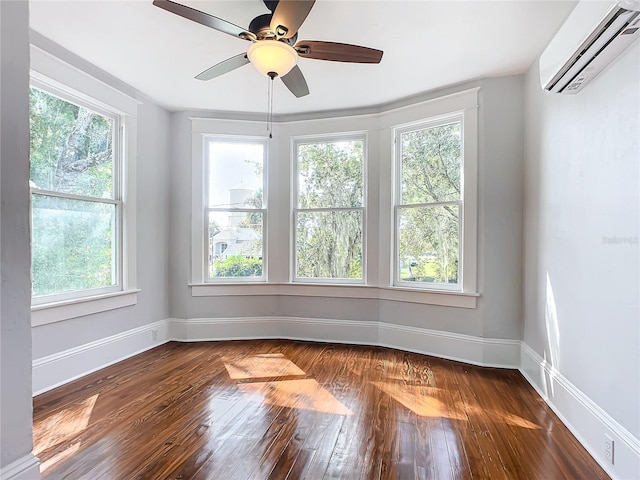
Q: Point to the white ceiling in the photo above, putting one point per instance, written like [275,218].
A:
[427,45]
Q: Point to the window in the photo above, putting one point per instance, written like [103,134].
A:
[329,212]
[234,209]
[76,197]
[342,220]
[430,204]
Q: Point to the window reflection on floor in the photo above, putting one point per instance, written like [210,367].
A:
[305,394]
[59,428]
[260,366]
[258,378]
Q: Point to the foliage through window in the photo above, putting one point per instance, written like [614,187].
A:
[429,204]
[234,212]
[329,213]
[76,203]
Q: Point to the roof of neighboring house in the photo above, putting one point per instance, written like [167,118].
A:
[233,235]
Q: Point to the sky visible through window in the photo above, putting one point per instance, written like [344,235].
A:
[233,165]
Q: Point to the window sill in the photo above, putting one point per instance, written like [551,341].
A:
[410,295]
[80,307]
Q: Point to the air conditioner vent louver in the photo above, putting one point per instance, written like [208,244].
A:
[594,34]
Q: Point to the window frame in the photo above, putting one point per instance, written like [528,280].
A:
[207,138]
[118,159]
[467,224]
[52,73]
[296,141]
[379,172]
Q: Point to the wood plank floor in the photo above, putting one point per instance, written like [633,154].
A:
[295,410]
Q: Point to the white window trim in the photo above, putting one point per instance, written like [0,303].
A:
[58,77]
[118,160]
[380,207]
[82,306]
[328,138]
[265,168]
[409,295]
[467,204]
[203,130]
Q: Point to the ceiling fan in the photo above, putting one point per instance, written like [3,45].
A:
[275,47]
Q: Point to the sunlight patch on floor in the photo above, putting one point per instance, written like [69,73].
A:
[305,394]
[419,399]
[62,425]
[260,366]
[499,416]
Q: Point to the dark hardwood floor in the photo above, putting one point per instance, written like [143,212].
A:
[293,410]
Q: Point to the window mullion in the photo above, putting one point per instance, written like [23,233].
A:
[330,209]
[231,210]
[430,204]
[71,196]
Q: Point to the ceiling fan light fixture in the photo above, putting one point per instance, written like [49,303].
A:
[272,56]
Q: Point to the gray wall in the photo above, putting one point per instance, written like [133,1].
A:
[581,287]
[15,289]
[152,227]
[152,247]
[500,177]
[498,314]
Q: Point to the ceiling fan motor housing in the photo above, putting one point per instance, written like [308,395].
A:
[261,28]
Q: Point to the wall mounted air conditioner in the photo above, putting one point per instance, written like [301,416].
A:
[593,35]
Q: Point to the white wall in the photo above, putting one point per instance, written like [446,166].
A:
[15,289]
[581,286]
[498,314]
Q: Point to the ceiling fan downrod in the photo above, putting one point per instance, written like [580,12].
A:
[271,76]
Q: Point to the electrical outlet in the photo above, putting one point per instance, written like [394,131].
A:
[608,448]
[154,335]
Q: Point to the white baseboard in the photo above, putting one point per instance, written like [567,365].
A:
[485,352]
[62,367]
[287,328]
[586,420]
[453,346]
[25,468]
[54,370]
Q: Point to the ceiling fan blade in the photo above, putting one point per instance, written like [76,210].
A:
[295,82]
[289,15]
[224,67]
[338,52]
[204,19]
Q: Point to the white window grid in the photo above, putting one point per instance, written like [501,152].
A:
[263,211]
[309,140]
[117,200]
[457,117]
